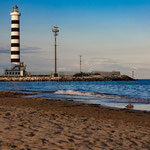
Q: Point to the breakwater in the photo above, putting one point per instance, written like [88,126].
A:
[68,78]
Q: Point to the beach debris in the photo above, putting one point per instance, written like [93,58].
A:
[44,141]
[129,106]
[7,114]
[31,134]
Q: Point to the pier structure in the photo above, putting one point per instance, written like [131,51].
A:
[17,68]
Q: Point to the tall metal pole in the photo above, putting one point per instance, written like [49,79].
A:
[55,55]
[80,63]
[133,74]
[55,30]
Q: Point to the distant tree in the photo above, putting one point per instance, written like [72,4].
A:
[82,74]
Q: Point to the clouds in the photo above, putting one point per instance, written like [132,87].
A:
[102,63]
[4,50]
[110,36]
[110,64]
[24,49]
[32,49]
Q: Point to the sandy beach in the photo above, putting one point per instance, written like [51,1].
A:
[40,124]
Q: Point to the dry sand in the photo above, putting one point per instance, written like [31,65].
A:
[39,124]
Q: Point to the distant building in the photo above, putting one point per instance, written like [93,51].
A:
[105,72]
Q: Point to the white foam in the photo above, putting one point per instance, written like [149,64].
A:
[71,92]
[90,94]
[99,95]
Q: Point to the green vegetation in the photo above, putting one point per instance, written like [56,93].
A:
[82,74]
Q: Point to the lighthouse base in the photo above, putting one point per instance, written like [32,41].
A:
[17,70]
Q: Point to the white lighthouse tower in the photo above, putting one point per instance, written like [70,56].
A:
[15,36]
[17,68]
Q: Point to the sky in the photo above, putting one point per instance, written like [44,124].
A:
[111,35]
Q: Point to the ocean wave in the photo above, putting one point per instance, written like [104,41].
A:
[71,92]
[101,95]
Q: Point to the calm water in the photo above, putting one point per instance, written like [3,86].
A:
[111,93]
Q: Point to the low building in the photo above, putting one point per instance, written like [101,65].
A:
[16,71]
[106,73]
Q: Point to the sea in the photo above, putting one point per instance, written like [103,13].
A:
[114,94]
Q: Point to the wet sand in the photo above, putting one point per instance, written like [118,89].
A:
[40,124]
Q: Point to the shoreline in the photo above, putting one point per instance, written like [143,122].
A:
[37,123]
[20,97]
[17,95]
[9,93]
[31,95]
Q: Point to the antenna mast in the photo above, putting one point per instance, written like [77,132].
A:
[80,63]
[133,74]
[55,30]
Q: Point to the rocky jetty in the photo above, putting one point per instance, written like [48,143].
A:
[68,78]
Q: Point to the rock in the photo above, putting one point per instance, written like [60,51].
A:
[7,114]
[129,106]
[31,134]
[44,141]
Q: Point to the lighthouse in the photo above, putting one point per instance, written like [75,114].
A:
[15,36]
[17,68]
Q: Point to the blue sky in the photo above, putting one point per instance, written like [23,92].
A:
[109,34]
